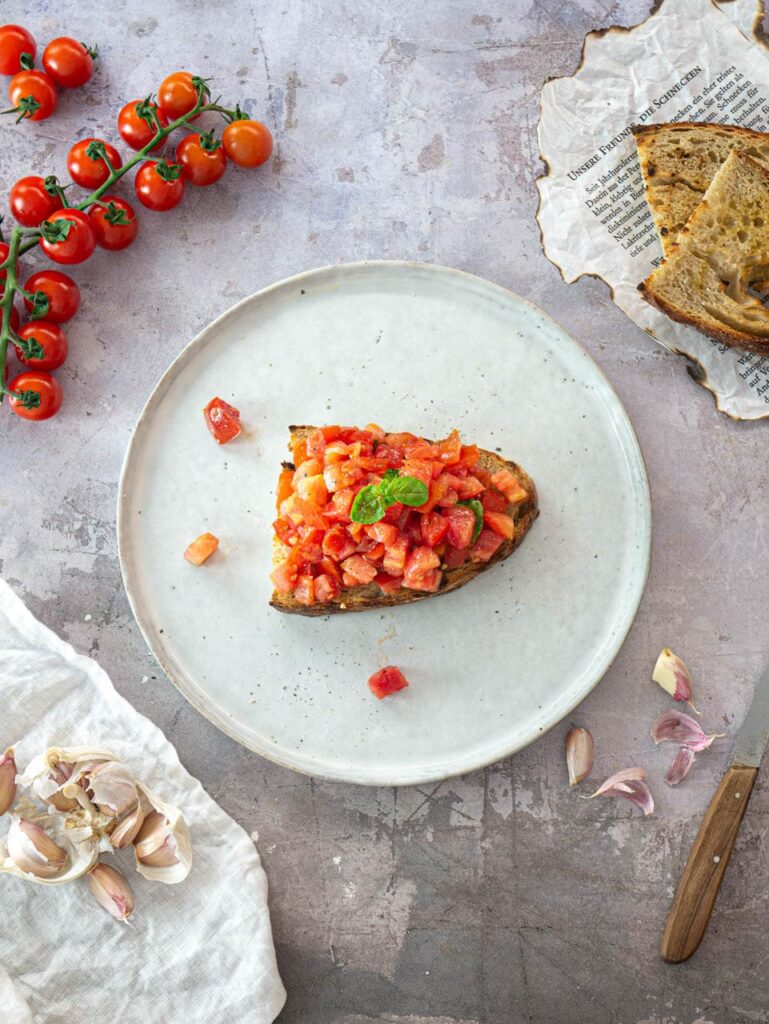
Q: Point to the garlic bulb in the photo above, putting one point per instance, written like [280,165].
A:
[162,848]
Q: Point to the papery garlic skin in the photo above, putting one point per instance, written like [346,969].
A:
[112,787]
[111,891]
[671,673]
[7,781]
[33,851]
[580,754]
[680,767]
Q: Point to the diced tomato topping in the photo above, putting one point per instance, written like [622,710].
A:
[418,565]
[394,561]
[388,584]
[201,548]
[327,587]
[338,544]
[494,501]
[486,546]
[304,591]
[461,526]
[285,486]
[359,568]
[222,419]
[320,550]
[500,523]
[434,528]
[386,681]
[510,485]
[454,557]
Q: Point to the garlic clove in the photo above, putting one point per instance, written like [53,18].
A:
[580,752]
[7,781]
[112,787]
[111,891]
[680,767]
[33,851]
[127,828]
[676,727]
[630,783]
[162,848]
[671,673]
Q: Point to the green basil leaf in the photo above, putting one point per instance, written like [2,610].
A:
[409,491]
[477,508]
[385,488]
[369,506]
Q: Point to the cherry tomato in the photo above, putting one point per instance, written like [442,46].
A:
[44,345]
[15,319]
[115,225]
[14,40]
[247,143]
[61,291]
[79,242]
[178,94]
[91,171]
[134,129]
[155,191]
[42,395]
[4,250]
[200,164]
[31,202]
[33,95]
[68,62]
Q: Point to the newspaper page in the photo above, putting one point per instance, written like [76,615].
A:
[687,62]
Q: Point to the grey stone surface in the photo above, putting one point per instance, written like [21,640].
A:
[408,130]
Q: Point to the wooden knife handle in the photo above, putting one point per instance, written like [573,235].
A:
[700,882]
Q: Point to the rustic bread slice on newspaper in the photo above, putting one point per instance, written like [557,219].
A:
[704,281]
[522,510]
[678,163]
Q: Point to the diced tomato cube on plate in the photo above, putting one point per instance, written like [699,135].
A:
[454,557]
[500,523]
[420,562]
[494,501]
[201,548]
[284,577]
[222,419]
[461,526]
[360,568]
[394,560]
[509,484]
[388,584]
[386,681]
[327,588]
[434,528]
[304,591]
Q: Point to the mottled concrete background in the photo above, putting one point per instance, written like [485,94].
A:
[408,130]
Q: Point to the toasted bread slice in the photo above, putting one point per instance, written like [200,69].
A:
[678,163]
[361,598]
[705,279]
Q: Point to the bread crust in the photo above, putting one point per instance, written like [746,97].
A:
[369,596]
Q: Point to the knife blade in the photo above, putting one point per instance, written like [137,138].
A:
[753,736]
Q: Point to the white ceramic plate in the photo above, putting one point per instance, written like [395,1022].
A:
[493,665]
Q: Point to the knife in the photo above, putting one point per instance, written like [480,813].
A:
[701,880]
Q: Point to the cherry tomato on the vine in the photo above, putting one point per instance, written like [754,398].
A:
[33,95]
[85,166]
[160,185]
[43,345]
[114,225]
[178,94]
[247,143]
[71,244]
[202,159]
[30,201]
[68,62]
[40,395]
[4,251]
[61,291]
[135,130]
[15,319]
[14,41]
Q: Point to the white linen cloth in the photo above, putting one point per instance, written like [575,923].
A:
[193,953]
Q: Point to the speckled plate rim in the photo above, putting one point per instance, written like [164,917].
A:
[350,774]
